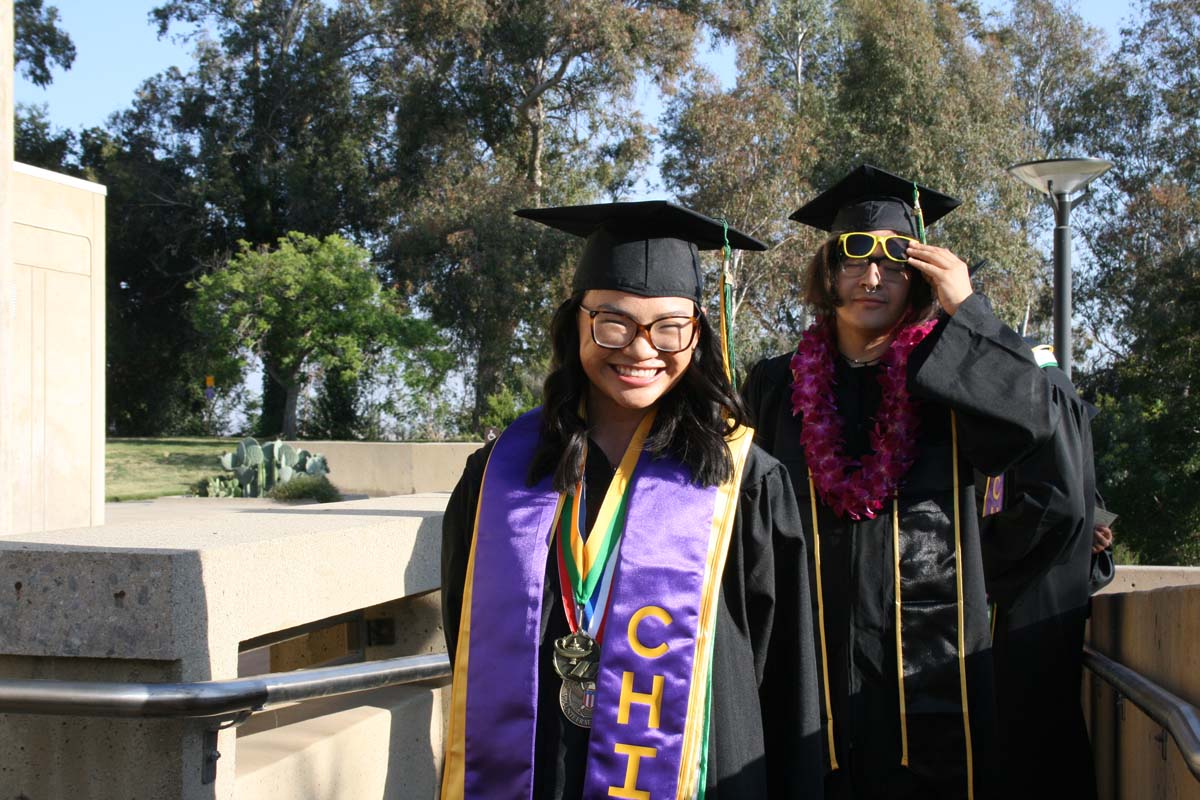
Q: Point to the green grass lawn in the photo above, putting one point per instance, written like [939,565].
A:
[141,469]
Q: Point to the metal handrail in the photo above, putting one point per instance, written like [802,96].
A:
[1177,716]
[213,698]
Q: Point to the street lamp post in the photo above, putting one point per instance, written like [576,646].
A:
[1060,179]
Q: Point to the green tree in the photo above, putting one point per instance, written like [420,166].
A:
[38,42]
[926,98]
[502,106]
[823,87]
[1054,58]
[1142,300]
[276,128]
[38,143]
[336,413]
[745,154]
[310,303]
[161,233]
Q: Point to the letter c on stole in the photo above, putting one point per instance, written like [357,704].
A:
[636,620]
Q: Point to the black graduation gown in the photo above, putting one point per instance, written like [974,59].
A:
[1037,562]
[982,370]
[763,740]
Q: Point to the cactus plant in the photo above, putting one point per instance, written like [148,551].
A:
[259,468]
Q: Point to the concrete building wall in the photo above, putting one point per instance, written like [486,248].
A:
[382,469]
[173,599]
[8,301]
[54,335]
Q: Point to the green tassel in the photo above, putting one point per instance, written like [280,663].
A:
[726,300]
[920,214]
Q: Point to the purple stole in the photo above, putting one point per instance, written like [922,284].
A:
[650,724]
[993,496]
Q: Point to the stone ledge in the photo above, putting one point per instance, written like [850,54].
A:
[1136,578]
[191,589]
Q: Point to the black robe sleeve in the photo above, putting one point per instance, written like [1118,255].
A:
[1047,515]
[983,370]
[458,525]
[1037,558]
[778,601]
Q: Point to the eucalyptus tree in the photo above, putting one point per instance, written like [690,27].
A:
[1143,295]
[1054,58]
[822,87]
[926,98]
[504,105]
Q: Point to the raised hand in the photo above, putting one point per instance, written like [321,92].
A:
[946,272]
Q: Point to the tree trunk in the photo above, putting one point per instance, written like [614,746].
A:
[537,119]
[289,412]
[274,400]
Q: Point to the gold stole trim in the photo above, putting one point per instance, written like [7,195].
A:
[454,773]
[899,639]
[812,495]
[962,658]
[724,513]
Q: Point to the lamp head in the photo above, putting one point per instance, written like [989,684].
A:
[1060,175]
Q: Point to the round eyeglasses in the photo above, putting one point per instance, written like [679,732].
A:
[856,268]
[614,331]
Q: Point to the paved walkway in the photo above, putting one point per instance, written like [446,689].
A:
[195,508]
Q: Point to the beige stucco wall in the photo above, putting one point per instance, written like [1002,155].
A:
[54,334]
[7,297]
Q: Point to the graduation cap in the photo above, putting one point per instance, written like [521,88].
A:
[872,199]
[648,248]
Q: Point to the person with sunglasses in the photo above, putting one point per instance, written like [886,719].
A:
[624,581]
[880,415]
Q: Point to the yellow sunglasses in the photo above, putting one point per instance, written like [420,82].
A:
[861,245]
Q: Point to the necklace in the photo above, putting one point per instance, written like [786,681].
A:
[864,362]
[856,489]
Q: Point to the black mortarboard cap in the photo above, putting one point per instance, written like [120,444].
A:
[648,248]
[872,199]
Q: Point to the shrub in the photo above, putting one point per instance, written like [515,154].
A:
[306,487]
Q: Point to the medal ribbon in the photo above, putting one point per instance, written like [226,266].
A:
[586,567]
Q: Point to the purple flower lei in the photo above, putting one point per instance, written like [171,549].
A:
[852,488]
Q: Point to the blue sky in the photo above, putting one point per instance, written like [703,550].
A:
[117,48]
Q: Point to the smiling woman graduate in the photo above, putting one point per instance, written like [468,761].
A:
[625,589]
[880,415]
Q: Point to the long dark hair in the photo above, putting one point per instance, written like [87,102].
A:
[693,419]
[820,285]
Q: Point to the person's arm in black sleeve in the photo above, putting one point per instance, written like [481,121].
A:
[1048,503]
[784,645]
[458,526]
[983,370]
[765,387]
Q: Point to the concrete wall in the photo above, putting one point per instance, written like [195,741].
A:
[1137,578]
[54,335]
[1156,633]
[171,599]
[380,469]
